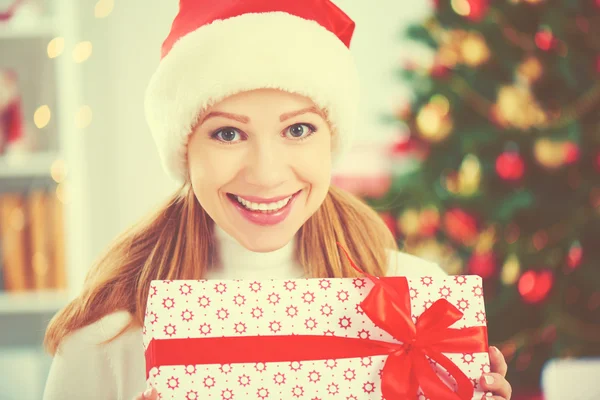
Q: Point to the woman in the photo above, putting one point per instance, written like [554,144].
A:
[251,104]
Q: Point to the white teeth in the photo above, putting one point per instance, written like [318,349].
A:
[263,206]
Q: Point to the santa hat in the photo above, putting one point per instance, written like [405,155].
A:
[219,48]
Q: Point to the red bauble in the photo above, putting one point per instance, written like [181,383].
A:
[534,286]
[403,146]
[430,222]
[545,40]
[477,9]
[483,264]
[574,257]
[389,221]
[439,71]
[460,226]
[510,166]
[571,152]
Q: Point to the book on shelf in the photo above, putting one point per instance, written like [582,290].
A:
[32,241]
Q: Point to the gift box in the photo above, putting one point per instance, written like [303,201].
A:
[345,338]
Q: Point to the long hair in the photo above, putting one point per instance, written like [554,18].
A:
[176,243]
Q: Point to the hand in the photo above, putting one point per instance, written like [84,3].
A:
[498,384]
[149,394]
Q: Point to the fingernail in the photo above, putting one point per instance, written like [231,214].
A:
[494,349]
[148,392]
[488,379]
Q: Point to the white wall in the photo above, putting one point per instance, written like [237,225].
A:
[126,180]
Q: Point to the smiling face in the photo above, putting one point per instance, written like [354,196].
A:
[260,165]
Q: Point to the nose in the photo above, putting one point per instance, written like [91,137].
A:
[267,164]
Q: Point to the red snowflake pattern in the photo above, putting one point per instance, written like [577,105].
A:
[468,358]
[364,334]
[333,388]
[445,292]
[185,289]
[329,332]
[480,315]
[460,279]
[204,301]
[255,287]
[225,368]
[257,312]
[413,293]
[191,395]
[308,297]
[274,298]
[295,366]
[291,311]
[426,280]
[153,291]
[331,363]
[326,310]
[485,368]
[310,323]
[427,304]
[190,369]
[240,328]
[205,329]
[345,322]
[366,361]
[227,394]
[352,397]
[274,326]
[478,291]
[173,383]
[289,285]
[262,393]
[208,382]
[153,318]
[359,309]
[222,314]
[170,330]
[220,287]
[279,378]
[244,380]
[168,303]
[324,284]
[314,376]
[260,367]
[187,315]
[343,296]
[239,300]
[463,304]
[359,283]
[369,387]
[297,391]
[349,374]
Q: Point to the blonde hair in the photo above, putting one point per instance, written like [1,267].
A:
[176,243]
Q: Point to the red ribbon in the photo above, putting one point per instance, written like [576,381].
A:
[388,306]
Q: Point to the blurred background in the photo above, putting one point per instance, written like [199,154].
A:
[478,144]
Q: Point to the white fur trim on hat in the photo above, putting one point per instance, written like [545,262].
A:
[250,51]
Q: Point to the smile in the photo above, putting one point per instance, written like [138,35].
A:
[263,211]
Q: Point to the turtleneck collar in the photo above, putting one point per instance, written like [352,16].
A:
[237,262]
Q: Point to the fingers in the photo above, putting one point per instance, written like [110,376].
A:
[149,394]
[497,361]
[496,384]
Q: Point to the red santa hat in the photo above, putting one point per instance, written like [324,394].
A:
[219,48]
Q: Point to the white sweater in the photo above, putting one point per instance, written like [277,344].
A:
[84,369]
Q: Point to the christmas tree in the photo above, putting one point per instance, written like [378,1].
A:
[504,133]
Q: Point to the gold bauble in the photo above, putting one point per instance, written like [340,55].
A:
[516,106]
[469,175]
[432,125]
[474,50]
[511,270]
[548,153]
[486,240]
[409,222]
[530,69]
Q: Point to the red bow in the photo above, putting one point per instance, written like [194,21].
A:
[388,305]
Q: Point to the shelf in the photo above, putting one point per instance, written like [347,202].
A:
[32,302]
[43,28]
[27,165]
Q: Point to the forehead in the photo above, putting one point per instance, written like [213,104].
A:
[264,101]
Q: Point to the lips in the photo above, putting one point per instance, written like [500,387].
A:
[265,200]
[263,218]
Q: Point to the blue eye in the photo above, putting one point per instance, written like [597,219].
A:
[301,131]
[225,135]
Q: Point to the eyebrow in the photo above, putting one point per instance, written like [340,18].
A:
[244,119]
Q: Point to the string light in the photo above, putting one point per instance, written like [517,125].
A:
[84,117]
[62,193]
[461,7]
[55,47]
[104,8]
[58,171]
[42,116]
[82,51]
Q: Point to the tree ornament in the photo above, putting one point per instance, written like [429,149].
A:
[511,270]
[510,166]
[530,70]
[474,50]
[545,40]
[469,175]
[438,252]
[460,226]
[482,264]
[474,10]
[575,255]
[548,153]
[389,221]
[517,107]
[409,222]
[432,124]
[439,70]
[571,153]
[534,286]
[430,221]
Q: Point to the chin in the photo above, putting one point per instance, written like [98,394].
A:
[265,243]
